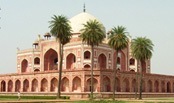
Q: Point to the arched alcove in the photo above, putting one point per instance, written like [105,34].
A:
[156,86]
[3,86]
[149,86]
[117,85]
[143,86]
[87,66]
[17,85]
[25,85]
[10,86]
[168,87]
[132,61]
[65,85]
[44,85]
[95,83]
[70,61]
[125,85]
[102,61]
[24,66]
[36,61]
[76,84]
[134,85]
[34,85]
[162,86]
[106,84]
[54,84]
[87,55]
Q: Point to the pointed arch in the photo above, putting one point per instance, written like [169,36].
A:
[25,85]
[87,66]
[70,61]
[143,86]
[156,86]
[173,87]
[50,60]
[132,61]
[17,85]
[54,85]
[149,86]
[125,85]
[65,85]
[44,85]
[76,85]
[102,61]
[36,70]
[10,86]
[35,87]
[37,61]
[168,87]
[3,86]
[134,85]
[162,86]
[106,84]
[117,87]
[95,84]
[24,65]
[87,55]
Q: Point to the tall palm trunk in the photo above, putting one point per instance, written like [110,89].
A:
[92,66]
[136,82]
[115,71]
[136,85]
[60,57]
[141,80]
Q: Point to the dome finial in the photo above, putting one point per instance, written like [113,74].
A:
[84,9]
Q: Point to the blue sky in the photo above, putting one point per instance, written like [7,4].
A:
[22,20]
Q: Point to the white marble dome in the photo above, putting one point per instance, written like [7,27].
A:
[77,21]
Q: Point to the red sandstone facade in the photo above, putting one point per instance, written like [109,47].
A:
[37,69]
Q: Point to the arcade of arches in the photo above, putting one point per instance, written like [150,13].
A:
[125,82]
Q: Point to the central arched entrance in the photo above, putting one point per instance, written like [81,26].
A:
[50,60]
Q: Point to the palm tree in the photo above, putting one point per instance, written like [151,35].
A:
[118,41]
[61,30]
[142,48]
[92,34]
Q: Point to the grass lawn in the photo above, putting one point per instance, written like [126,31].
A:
[118,100]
